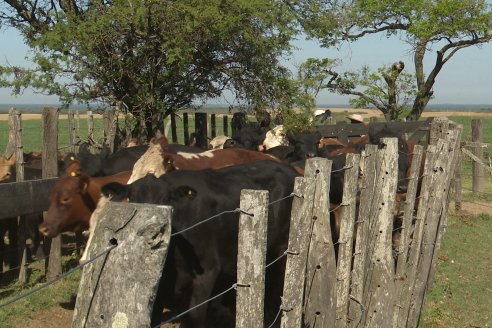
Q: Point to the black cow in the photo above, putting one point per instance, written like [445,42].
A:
[304,145]
[197,195]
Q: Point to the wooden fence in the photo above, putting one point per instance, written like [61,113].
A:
[372,284]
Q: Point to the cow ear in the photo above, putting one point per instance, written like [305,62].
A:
[184,192]
[168,164]
[83,182]
[116,191]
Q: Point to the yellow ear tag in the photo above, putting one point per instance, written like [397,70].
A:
[72,158]
[84,188]
[190,193]
[74,174]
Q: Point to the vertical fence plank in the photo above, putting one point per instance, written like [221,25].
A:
[414,251]
[320,289]
[454,139]
[251,258]
[477,169]
[16,118]
[201,130]
[368,160]
[431,223]
[301,220]
[406,229]
[174,131]
[112,292]
[109,126]
[213,126]
[71,130]
[50,169]
[186,129]
[380,278]
[225,124]
[457,181]
[345,241]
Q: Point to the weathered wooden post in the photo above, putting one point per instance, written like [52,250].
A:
[49,170]
[213,126]
[71,130]
[431,221]
[251,258]
[301,221]
[186,129]
[225,124]
[174,131]
[368,191]
[405,231]
[109,126]
[454,138]
[345,240]
[119,288]
[414,251]
[320,288]
[457,181]
[201,130]
[15,120]
[90,131]
[477,168]
[379,280]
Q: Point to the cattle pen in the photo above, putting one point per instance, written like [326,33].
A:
[370,284]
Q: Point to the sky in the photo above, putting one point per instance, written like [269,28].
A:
[465,79]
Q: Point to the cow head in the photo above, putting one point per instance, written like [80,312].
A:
[6,168]
[70,206]
[274,137]
[306,144]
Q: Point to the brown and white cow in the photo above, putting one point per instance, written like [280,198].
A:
[153,160]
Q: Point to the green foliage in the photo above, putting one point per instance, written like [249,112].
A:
[297,120]
[375,90]
[150,56]
[429,27]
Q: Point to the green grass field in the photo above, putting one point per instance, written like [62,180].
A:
[462,292]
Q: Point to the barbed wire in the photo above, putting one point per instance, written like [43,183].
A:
[57,278]
[237,210]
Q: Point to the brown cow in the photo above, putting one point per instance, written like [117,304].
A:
[153,160]
[6,168]
[73,199]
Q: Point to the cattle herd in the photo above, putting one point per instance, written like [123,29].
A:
[200,184]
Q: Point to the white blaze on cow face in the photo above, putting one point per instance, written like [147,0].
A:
[275,137]
[149,162]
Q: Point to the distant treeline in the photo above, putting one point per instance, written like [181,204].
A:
[219,109]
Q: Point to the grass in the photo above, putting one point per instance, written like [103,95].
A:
[62,293]
[462,292]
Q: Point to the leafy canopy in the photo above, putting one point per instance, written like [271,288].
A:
[152,56]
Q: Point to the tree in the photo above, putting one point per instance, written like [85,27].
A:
[389,89]
[445,25]
[151,57]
